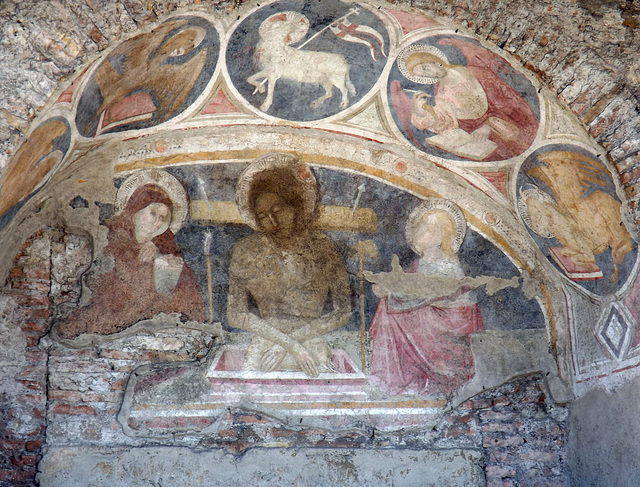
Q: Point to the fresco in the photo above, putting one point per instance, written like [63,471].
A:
[33,165]
[288,268]
[452,98]
[568,201]
[292,202]
[293,266]
[421,326]
[148,274]
[149,78]
[307,60]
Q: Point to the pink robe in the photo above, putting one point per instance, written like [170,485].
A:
[422,349]
[504,103]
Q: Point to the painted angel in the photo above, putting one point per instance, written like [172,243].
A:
[582,215]
[420,344]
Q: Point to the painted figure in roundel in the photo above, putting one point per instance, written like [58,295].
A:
[420,343]
[282,277]
[149,275]
[567,199]
[452,97]
[308,61]
[33,165]
[150,78]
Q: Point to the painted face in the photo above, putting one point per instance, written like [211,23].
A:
[274,215]
[428,236]
[151,221]
[431,70]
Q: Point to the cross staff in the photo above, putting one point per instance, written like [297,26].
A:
[207,253]
[352,11]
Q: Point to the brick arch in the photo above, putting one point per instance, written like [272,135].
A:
[567,45]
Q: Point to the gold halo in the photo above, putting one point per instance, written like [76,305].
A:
[407,51]
[276,160]
[450,207]
[165,181]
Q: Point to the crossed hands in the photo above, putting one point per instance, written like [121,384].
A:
[274,356]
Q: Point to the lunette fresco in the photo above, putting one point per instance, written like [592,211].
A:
[306,277]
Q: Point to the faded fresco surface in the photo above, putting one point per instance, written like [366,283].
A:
[33,165]
[150,78]
[453,98]
[376,219]
[307,60]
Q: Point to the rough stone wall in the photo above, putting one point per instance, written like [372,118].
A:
[516,430]
[585,51]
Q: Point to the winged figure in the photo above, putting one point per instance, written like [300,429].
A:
[584,217]
[33,164]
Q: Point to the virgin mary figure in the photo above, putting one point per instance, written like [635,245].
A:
[149,275]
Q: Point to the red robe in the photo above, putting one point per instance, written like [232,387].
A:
[422,349]
[504,103]
[126,294]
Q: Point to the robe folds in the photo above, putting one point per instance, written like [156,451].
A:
[420,348]
[127,293]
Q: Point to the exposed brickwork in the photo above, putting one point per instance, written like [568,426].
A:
[68,397]
[23,406]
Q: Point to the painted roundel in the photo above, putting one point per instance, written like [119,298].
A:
[150,78]
[452,98]
[567,199]
[33,165]
[307,61]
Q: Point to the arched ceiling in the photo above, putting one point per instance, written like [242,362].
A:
[583,50]
[584,53]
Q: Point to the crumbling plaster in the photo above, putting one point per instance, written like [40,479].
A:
[585,51]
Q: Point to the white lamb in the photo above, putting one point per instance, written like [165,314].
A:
[277,59]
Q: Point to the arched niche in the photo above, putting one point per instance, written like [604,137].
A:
[388,111]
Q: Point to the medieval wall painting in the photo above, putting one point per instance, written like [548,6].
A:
[312,297]
[307,61]
[452,98]
[386,219]
[149,78]
[148,274]
[568,201]
[33,165]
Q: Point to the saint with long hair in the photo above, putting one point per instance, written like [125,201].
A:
[470,111]
[420,345]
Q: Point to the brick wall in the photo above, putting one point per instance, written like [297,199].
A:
[24,400]
[65,397]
